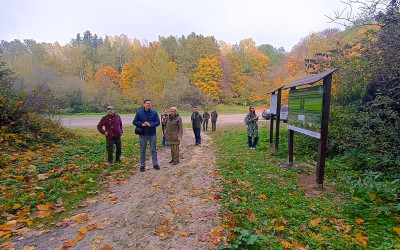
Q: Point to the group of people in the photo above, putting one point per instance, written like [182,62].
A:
[146,121]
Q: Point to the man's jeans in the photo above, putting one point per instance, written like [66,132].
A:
[143,144]
[110,149]
[197,135]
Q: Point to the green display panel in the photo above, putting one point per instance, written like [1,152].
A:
[305,110]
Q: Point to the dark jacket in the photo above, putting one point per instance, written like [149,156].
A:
[151,117]
[214,116]
[174,129]
[206,116]
[196,120]
[113,125]
[163,120]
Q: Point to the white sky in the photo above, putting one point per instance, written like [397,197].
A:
[279,22]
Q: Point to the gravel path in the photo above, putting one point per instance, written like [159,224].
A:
[174,208]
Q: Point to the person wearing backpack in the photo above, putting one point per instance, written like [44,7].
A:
[252,127]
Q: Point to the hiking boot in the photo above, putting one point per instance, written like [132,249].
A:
[142,169]
[156,167]
[176,163]
[110,164]
[171,161]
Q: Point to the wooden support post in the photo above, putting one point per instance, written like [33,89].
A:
[278,119]
[290,148]
[271,129]
[324,131]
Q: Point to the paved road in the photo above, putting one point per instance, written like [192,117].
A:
[88,121]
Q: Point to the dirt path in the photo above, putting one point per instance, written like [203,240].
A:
[89,121]
[173,208]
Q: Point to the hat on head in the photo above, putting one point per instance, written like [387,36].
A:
[111,107]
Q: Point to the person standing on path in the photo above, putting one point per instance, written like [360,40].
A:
[164,118]
[196,125]
[252,127]
[173,134]
[147,119]
[214,116]
[113,125]
[206,116]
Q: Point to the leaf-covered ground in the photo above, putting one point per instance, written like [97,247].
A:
[175,207]
[265,206]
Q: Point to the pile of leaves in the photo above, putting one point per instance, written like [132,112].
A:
[265,207]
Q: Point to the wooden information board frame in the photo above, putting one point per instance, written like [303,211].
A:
[326,76]
[278,93]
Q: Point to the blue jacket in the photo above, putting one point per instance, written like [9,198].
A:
[151,117]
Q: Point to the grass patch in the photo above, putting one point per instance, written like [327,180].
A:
[264,208]
[71,171]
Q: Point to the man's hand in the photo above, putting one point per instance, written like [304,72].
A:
[179,139]
[106,134]
[146,124]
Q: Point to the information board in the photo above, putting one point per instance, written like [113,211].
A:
[305,110]
[273,106]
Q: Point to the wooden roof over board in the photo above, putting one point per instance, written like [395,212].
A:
[310,79]
[272,91]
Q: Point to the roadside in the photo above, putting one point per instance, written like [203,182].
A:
[88,121]
[176,207]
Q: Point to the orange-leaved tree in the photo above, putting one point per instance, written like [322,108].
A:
[207,76]
[108,73]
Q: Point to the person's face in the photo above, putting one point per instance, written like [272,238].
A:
[165,112]
[194,110]
[213,110]
[252,109]
[147,105]
[110,111]
[172,112]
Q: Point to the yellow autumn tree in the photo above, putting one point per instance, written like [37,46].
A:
[294,65]
[207,76]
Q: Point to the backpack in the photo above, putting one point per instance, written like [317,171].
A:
[246,121]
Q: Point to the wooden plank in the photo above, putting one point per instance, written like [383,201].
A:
[290,148]
[278,119]
[324,131]
[271,129]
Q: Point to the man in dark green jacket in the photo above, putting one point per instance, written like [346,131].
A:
[196,125]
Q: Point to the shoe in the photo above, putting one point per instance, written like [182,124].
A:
[142,169]
[171,161]
[176,163]
[118,160]
[156,167]
[110,164]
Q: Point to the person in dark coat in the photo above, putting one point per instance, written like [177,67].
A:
[206,116]
[173,134]
[214,116]
[164,119]
[196,125]
[113,131]
[147,119]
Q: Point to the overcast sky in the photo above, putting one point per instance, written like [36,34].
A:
[278,22]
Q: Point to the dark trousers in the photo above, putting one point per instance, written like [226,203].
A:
[205,125]
[213,125]
[175,152]
[254,143]
[110,149]
[197,135]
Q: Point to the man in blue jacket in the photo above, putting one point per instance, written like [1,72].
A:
[147,119]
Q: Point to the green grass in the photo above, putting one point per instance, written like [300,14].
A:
[264,208]
[74,171]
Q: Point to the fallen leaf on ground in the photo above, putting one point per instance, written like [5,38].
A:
[315,221]
[185,234]
[28,248]
[68,244]
[106,247]
[151,213]
[98,239]
[359,220]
